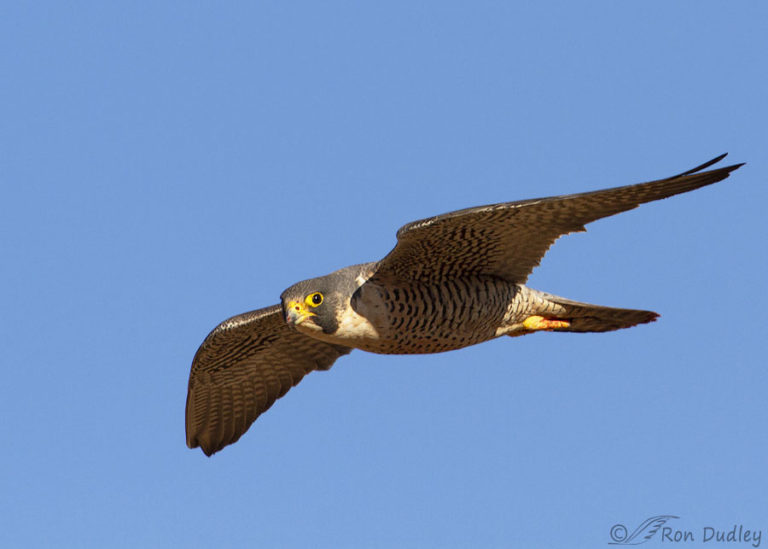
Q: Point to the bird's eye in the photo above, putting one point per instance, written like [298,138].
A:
[315,299]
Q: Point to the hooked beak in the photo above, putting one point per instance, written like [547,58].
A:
[297,313]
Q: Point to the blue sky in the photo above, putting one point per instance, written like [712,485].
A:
[167,165]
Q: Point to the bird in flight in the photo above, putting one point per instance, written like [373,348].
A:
[451,281]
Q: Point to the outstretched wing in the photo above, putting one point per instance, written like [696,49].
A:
[508,240]
[243,366]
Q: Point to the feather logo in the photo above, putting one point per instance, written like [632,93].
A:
[641,534]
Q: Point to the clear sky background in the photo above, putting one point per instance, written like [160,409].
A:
[166,165]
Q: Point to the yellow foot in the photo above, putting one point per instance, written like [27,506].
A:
[536,322]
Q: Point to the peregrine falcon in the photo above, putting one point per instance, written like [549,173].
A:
[451,281]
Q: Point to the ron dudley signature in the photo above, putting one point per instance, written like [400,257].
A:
[656,528]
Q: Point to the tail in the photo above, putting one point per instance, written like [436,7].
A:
[584,317]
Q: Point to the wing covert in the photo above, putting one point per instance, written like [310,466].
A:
[508,240]
[242,367]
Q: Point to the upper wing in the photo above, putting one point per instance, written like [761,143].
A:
[244,365]
[508,240]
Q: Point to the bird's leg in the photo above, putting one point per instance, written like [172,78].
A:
[536,322]
[533,311]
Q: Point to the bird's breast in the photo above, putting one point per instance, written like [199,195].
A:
[425,318]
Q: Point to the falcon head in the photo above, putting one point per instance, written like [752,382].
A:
[324,308]
[315,305]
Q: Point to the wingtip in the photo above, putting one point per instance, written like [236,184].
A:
[709,163]
[697,169]
[728,169]
[719,158]
[206,449]
[701,167]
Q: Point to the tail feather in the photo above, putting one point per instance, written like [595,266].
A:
[585,317]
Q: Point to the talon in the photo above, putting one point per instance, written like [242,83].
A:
[536,322]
